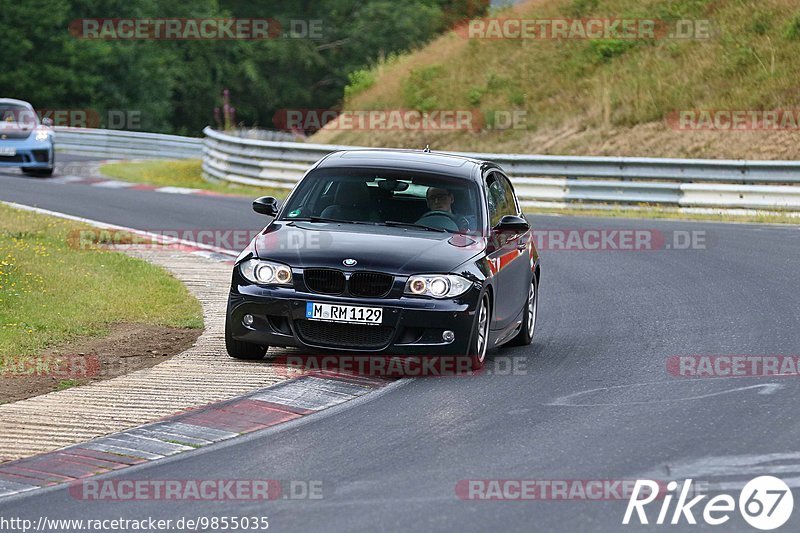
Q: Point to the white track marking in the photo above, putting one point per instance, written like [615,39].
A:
[730,472]
[177,190]
[114,184]
[570,399]
[103,225]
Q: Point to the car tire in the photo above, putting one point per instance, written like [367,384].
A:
[529,316]
[478,345]
[242,350]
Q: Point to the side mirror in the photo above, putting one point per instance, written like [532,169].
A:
[47,121]
[266,205]
[512,224]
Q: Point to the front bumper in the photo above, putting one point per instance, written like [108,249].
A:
[411,326]
[29,153]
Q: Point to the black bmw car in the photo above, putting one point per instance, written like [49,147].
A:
[390,252]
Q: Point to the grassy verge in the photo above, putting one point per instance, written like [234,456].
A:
[51,293]
[660,213]
[598,97]
[181,173]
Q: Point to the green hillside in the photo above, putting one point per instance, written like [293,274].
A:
[599,97]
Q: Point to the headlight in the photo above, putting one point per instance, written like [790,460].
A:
[42,135]
[437,285]
[265,272]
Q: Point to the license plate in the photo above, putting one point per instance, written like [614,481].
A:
[5,150]
[344,313]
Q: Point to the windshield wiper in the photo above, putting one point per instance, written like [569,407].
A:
[392,223]
[395,223]
[325,219]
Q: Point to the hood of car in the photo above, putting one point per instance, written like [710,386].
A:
[393,250]
[14,131]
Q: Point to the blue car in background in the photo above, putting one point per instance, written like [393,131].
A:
[25,141]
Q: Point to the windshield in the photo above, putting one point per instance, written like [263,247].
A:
[17,116]
[439,203]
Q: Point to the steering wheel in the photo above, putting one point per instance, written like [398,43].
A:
[460,222]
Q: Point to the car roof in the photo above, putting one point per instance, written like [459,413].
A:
[413,160]
[15,101]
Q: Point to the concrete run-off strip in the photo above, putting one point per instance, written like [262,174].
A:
[202,375]
[183,432]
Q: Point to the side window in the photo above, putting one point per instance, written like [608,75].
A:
[495,198]
[510,198]
[500,196]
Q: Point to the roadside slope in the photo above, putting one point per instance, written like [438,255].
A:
[613,97]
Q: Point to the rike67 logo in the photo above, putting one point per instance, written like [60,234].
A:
[765,503]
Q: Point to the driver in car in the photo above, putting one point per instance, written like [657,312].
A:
[440,203]
[440,200]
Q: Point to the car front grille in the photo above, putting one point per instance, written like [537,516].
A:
[370,284]
[41,156]
[353,336]
[363,284]
[324,281]
[11,159]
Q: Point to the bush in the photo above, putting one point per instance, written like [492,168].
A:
[358,82]
[419,89]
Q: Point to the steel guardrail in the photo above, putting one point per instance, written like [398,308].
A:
[539,179]
[559,180]
[126,144]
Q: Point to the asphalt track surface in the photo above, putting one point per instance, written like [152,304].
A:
[609,320]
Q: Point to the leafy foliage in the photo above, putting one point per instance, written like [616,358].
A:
[175,85]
